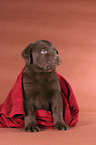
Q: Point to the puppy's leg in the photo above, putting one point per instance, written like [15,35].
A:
[57,110]
[30,122]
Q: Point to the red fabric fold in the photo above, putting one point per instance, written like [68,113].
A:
[12,111]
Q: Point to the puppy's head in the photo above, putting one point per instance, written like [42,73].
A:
[42,54]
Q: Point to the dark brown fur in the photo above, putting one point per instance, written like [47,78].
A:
[41,88]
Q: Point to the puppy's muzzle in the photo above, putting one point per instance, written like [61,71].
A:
[57,60]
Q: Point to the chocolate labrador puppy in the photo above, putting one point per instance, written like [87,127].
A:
[41,88]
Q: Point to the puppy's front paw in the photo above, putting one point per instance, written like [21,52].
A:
[61,126]
[31,128]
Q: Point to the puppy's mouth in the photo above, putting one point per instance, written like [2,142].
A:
[51,65]
[46,68]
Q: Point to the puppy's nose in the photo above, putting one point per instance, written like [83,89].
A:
[57,58]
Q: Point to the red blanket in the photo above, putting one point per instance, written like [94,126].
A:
[12,111]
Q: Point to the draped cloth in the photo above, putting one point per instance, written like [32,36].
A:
[12,110]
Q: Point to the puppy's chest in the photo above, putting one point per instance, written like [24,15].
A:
[41,88]
[44,81]
[42,93]
[40,79]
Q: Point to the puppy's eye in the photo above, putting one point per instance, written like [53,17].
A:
[43,52]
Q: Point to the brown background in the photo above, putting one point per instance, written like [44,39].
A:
[71,26]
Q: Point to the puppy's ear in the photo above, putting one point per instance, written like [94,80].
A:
[26,53]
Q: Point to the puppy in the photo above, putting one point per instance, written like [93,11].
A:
[41,88]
